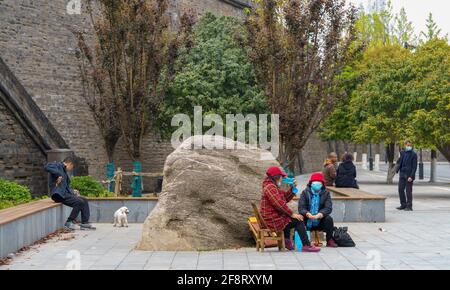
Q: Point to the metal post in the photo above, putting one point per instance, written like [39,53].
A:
[370,157]
[433,166]
[420,165]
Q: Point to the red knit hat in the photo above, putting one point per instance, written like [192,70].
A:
[317,176]
[274,170]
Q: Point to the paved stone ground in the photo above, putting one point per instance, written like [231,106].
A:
[408,240]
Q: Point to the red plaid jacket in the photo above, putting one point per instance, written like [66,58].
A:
[274,210]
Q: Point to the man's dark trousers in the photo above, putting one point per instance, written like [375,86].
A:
[406,199]
[78,204]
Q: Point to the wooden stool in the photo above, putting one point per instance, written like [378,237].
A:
[262,234]
[315,236]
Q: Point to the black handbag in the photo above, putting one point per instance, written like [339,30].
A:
[342,237]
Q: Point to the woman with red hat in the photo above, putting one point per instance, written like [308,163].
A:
[315,206]
[274,210]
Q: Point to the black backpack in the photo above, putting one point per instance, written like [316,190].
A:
[342,237]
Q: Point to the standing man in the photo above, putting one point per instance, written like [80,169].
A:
[61,192]
[407,166]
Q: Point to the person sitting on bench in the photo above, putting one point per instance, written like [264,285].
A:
[346,173]
[274,210]
[61,192]
[315,206]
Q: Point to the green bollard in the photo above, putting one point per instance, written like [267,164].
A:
[110,171]
[137,180]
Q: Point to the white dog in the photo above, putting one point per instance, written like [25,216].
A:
[120,217]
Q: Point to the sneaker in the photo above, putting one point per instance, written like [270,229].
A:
[401,207]
[69,226]
[87,227]
[310,249]
[332,244]
[408,209]
[288,244]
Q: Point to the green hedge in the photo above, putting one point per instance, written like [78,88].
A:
[88,186]
[12,194]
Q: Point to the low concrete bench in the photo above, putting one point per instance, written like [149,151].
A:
[25,224]
[355,205]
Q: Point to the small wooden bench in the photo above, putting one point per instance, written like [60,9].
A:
[263,234]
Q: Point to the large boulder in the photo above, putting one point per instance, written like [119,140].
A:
[206,197]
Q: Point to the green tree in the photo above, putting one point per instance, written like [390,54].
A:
[404,29]
[339,124]
[216,74]
[433,31]
[379,104]
[373,28]
[430,97]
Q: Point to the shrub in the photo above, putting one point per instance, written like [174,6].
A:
[12,194]
[88,186]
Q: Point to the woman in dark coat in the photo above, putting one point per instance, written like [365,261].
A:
[315,206]
[346,173]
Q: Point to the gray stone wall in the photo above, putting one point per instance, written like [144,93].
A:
[37,44]
[218,7]
[21,160]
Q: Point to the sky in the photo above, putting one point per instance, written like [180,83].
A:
[417,11]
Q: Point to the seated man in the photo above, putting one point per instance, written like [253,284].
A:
[274,210]
[315,206]
[60,191]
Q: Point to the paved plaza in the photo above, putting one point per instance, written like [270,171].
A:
[408,240]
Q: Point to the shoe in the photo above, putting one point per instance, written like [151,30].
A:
[408,209]
[70,226]
[401,207]
[87,227]
[332,244]
[310,249]
[288,244]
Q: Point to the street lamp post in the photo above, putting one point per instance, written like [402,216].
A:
[420,165]
[370,157]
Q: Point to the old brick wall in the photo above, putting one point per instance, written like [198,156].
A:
[21,160]
[37,44]
[217,7]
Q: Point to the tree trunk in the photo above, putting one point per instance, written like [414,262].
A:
[445,150]
[346,147]
[292,158]
[433,166]
[301,163]
[330,147]
[336,147]
[390,154]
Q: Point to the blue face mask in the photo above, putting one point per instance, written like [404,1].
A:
[408,148]
[316,185]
